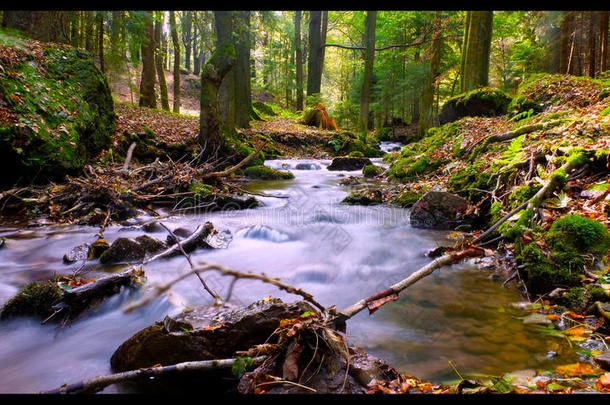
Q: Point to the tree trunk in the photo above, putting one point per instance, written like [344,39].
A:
[226,92]
[603,40]
[427,99]
[475,66]
[115,32]
[176,43]
[369,61]
[75,29]
[196,61]
[241,71]
[186,38]
[147,83]
[159,65]
[323,40]
[100,38]
[299,60]
[314,74]
[210,120]
[89,23]
[567,40]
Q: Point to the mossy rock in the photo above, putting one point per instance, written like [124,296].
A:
[523,193]
[267,173]
[372,171]
[33,300]
[482,102]
[408,168]
[405,199]
[264,108]
[123,250]
[62,108]
[361,198]
[575,232]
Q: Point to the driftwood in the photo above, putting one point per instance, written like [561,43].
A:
[376,300]
[533,202]
[526,129]
[129,155]
[96,384]
[237,166]
[187,244]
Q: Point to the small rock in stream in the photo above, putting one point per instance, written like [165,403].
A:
[123,250]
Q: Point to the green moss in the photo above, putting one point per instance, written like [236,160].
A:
[267,173]
[605,111]
[200,189]
[471,177]
[383,134]
[372,171]
[580,234]
[405,199]
[356,198]
[522,194]
[35,299]
[496,212]
[558,177]
[513,232]
[542,274]
[356,153]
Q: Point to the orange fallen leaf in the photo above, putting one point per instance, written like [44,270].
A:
[553,317]
[213,327]
[578,331]
[576,369]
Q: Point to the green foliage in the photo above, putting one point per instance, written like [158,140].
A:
[355,153]
[469,177]
[514,231]
[240,366]
[496,212]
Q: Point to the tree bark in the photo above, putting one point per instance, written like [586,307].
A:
[603,40]
[369,61]
[176,43]
[186,38]
[210,120]
[427,99]
[241,72]
[159,63]
[314,74]
[147,84]
[299,60]
[100,38]
[475,66]
[226,92]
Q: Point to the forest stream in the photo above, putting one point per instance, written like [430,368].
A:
[339,253]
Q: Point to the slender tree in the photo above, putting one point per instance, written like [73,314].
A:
[159,62]
[226,92]
[241,70]
[369,60]
[299,60]
[148,97]
[427,100]
[176,44]
[187,38]
[314,72]
[100,38]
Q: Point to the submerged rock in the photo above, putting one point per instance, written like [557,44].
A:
[349,163]
[150,244]
[35,299]
[439,210]
[123,250]
[363,198]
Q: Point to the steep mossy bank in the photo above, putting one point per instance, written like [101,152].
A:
[57,110]
[501,161]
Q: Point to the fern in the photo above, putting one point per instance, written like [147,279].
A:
[513,154]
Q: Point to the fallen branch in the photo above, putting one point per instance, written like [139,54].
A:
[237,166]
[188,258]
[187,243]
[129,154]
[96,384]
[479,146]
[375,301]
[261,277]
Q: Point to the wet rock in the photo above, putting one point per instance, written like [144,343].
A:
[485,102]
[307,166]
[351,181]
[349,163]
[229,330]
[152,227]
[603,360]
[123,250]
[150,244]
[77,253]
[439,210]
[97,248]
[180,233]
[361,198]
[33,300]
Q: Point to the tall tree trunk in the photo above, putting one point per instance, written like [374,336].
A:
[115,34]
[299,60]
[475,67]
[323,32]
[100,38]
[603,40]
[89,29]
[567,41]
[196,61]
[75,29]
[186,37]
[148,97]
[427,100]
[211,125]
[226,92]
[416,95]
[241,70]
[367,81]
[159,65]
[176,43]
[314,74]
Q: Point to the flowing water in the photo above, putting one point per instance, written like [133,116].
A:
[338,253]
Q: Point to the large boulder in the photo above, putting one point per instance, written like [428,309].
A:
[485,101]
[349,163]
[439,210]
[202,336]
[56,109]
